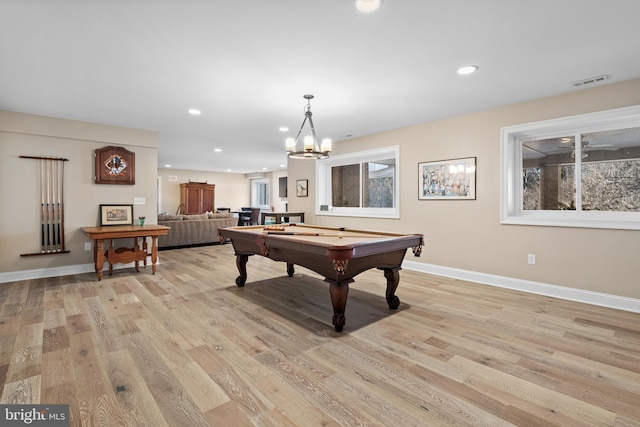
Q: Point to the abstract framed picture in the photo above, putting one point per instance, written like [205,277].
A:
[116,215]
[453,179]
[115,165]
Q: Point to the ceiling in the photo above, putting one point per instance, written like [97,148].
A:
[247,64]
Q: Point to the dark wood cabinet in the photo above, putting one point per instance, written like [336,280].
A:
[197,198]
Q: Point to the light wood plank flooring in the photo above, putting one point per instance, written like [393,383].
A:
[186,347]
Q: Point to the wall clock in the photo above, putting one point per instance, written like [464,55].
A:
[115,165]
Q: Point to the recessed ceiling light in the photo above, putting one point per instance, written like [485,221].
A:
[368,5]
[467,69]
[167,166]
[194,111]
[217,150]
[228,170]
[284,129]
[283,166]
[264,169]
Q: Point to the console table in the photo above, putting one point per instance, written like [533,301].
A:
[279,216]
[115,255]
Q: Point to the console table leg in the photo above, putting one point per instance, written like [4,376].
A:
[136,248]
[144,249]
[99,257]
[154,253]
[111,255]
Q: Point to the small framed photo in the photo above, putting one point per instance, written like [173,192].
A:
[302,187]
[116,215]
[453,179]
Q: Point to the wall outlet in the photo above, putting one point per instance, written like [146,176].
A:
[139,200]
[531,259]
[87,246]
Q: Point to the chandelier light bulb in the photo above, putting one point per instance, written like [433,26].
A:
[326,145]
[308,143]
[290,143]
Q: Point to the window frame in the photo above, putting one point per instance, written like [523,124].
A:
[323,183]
[511,137]
[256,191]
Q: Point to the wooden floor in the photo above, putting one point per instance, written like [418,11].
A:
[186,347]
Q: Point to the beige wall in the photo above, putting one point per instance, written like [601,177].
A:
[24,134]
[232,190]
[462,235]
[468,235]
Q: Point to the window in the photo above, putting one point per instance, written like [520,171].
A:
[359,184]
[580,171]
[260,193]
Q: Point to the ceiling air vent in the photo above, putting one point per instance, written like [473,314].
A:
[590,80]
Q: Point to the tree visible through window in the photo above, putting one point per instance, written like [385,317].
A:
[374,189]
[609,179]
[588,165]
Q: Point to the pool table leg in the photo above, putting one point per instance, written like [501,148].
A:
[339,292]
[290,269]
[393,279]
[241,263]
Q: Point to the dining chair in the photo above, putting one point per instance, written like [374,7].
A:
[253,219]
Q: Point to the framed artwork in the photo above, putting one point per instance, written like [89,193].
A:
[302,187]
[453,179]
[115,165]
[116,215]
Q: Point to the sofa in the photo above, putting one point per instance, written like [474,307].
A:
[193,229]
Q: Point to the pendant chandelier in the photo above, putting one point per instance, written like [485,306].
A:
[311,148]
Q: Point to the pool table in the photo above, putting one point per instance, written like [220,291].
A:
[337,254]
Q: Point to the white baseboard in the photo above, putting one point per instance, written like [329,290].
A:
[562,292]
[41,273]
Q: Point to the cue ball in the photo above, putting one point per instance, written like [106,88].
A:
[339,235]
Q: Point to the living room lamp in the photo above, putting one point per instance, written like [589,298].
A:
[311,148]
